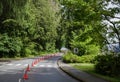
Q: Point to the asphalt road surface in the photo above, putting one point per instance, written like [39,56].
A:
[44,71]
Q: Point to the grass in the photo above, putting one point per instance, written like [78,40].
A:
[89,68]
[10,58]
[6,59]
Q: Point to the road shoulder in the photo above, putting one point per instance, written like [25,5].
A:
[77,74]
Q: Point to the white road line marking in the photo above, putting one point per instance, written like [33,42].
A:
[35,65]
[41,65]
[18,64]
[10,64]
[55,66]
[19,80]
[4,70]
[49,66]
[26,65]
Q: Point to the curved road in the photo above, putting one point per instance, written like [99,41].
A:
[44,71]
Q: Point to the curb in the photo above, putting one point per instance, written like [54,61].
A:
[79,75]
[68,72]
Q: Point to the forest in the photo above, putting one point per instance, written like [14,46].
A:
[30,27]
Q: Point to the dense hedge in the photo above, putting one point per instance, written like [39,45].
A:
[108,64]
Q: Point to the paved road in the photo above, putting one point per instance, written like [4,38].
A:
[44,71]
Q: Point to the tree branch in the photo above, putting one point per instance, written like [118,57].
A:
[113,27]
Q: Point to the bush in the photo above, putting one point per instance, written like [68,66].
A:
[108,64]
[10,47]
[87,59]
[29,49]
[72,58]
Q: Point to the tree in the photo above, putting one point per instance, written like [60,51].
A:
[83,22]
[111,22]
[47,21]
[11,26]
[33,22]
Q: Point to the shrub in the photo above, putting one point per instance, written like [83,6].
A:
[108,64]
[72,58]
[87,59]
[10,47]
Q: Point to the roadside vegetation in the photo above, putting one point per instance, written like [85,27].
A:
[28,27]
[31,28]
[104,66]
[90,68]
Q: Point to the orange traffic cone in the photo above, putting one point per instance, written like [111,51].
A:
[28,68]
[35,62]
[25,77]
[32,64]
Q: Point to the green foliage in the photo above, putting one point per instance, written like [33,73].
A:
[31,26]
[28,27]
[87,59]
[29,49]
[81,21]
[84,45]
[11,27]
[82,18]
[47,21]
[108,64]
[10,47]
[90,68]
[13,24]
[72,58]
